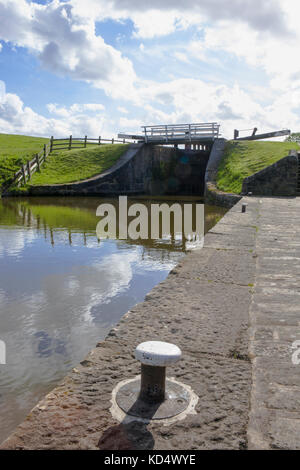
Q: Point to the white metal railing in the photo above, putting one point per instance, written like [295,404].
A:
[186,132]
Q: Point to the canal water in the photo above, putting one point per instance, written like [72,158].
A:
[61,289]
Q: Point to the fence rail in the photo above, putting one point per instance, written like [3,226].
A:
[28,169]
[82,142]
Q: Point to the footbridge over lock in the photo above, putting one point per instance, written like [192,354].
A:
[196,136]
[162,160]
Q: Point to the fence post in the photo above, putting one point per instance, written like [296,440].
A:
[123,141]
[23,173]
[85,139]
[45,152]
[37,161]
[51,143]
[70,142]
[28,170]
[112,140]
[99,141]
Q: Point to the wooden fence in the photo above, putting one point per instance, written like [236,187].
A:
[27,169]
[81,142]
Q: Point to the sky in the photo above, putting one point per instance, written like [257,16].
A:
[100,67]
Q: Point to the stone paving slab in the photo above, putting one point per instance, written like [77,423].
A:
[275,313]
[231,241]
[223,266]
[275,324]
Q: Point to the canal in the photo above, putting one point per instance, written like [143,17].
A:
[61,289]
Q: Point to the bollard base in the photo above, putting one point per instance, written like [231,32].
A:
[177,399]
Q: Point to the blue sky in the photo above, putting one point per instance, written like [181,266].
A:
[98,67]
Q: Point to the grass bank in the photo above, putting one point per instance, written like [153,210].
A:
[69,166]
[14,151]
[242,159]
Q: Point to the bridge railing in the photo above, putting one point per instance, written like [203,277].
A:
[187,132]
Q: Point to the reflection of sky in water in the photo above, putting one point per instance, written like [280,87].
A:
[71,288]
[57,300]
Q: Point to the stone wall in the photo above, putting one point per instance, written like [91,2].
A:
[216,197]
[143,169]
[279,179]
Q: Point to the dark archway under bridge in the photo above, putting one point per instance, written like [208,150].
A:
[178,171]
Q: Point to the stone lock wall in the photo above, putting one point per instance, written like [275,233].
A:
[279,179]
[143,169]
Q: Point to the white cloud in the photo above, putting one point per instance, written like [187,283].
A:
[182,57]
[191,101]
[80,119]
[66,44]
[197,101]
[2,91]
[122,110]
[131,125]
[154,23]
[262,16]
[263,34]
[62,35]
[274,55]
[74,109]
[58,111]
[150,17]
[94,107]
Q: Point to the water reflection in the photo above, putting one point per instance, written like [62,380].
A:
[61,290]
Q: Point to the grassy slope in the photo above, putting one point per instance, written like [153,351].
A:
[15,150]
[67,166]
[242,159]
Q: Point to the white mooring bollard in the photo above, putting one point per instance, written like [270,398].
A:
[155,356]
[152,395]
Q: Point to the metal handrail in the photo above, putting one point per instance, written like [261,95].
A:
[187,131]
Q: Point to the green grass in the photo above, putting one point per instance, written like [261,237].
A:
[242,159]
[14,151]
[68,166]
